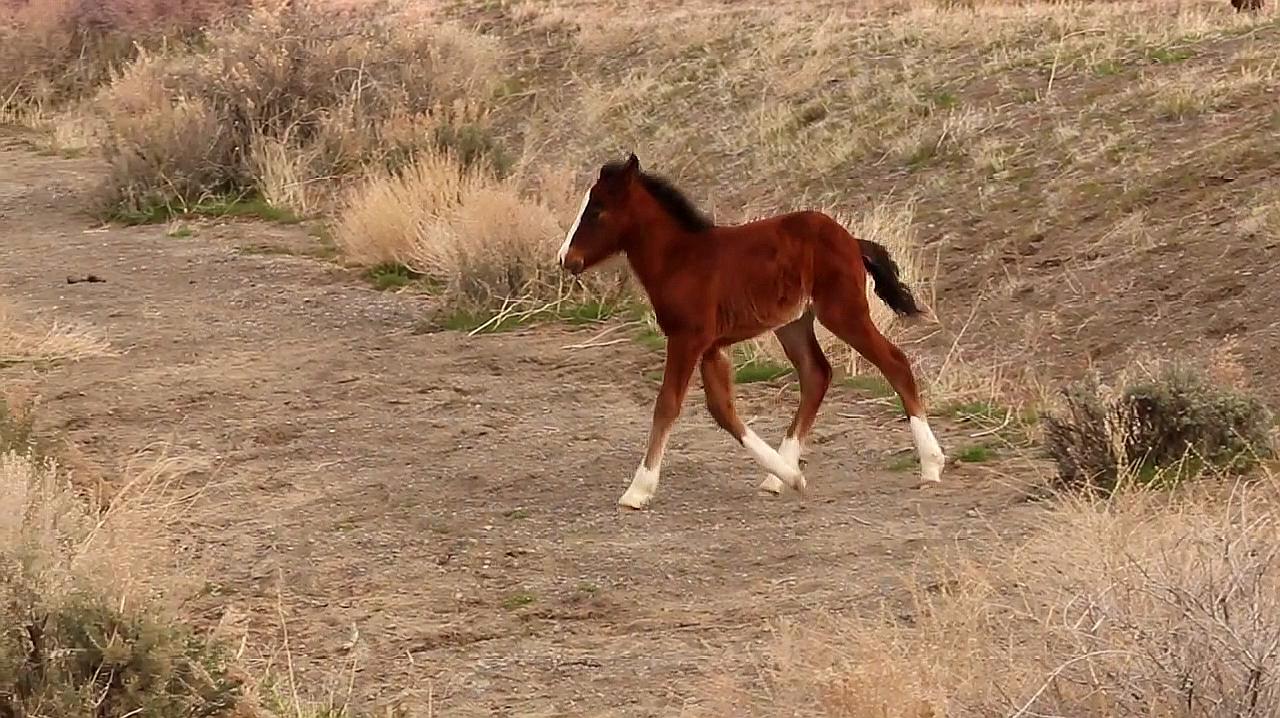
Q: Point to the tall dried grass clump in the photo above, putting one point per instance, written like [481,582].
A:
[474,235]
[27,339]
[81,631]
[54,52]
[291,102]
[1157,427]
[89,624]
[1133,607]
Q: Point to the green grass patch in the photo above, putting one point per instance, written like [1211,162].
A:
[810,113]
[66,153]
[591,311]
[576,313]
[976,454]
[1168,55]
[17,429]
[651,338]
[755,370]
[941,100]
[980,411]
[473,143]
[518,600]
[872,384]
[516,514]
[467,320]
[268,250]
[392,275]
[1108,68]
[921,156]
[243,208]
[181,231]
[750,368]
[908,462]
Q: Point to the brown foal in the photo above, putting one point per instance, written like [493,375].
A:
[713,286]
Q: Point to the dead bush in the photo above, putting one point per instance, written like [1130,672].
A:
[291,102]
[1156,427]
[79,632]
[1131,607]
[57,51]
[29,338]
[473,235]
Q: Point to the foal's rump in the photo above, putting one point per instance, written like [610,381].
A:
[877,261]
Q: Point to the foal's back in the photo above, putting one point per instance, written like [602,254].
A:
[765,273]
[808,246]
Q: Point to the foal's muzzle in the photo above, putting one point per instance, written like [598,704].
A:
[572,263]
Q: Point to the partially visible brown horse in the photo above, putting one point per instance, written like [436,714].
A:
[712,286]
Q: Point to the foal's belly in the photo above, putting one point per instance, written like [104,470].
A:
[742,325]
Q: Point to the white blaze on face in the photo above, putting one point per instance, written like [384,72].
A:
[564,248]
[931,456]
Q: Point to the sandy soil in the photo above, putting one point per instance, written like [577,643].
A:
[438,511]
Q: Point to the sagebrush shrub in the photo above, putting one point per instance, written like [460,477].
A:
[58,51]
[1153,427]
[81,655]
[305,95]
[75,638]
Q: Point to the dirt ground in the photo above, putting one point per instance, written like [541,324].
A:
[434,514]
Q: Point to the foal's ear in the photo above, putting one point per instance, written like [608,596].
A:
[632,166]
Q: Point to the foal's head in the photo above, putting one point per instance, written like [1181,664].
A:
[604,218]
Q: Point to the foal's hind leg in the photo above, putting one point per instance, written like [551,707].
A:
[848,317]
[717,382]
[805,353]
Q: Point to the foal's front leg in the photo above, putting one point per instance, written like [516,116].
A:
[682,357]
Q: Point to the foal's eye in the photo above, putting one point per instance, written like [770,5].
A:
[592,213]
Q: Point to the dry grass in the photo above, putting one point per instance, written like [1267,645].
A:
[1140,606]
[459,226]
[1262,215]
[479,239]
[54,52]
[392,122]
[91,593]
[87,587]
[26,339]
[294,101]
[769,106]
[120,548]
[1159,422]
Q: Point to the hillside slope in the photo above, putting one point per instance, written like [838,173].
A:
[1088,183]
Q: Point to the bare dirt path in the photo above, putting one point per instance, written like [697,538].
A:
[438,511]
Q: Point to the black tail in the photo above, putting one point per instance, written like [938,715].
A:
[889,287]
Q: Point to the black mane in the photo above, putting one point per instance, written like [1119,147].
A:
[680,207]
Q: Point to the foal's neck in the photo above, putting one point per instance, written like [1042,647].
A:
[653,248]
